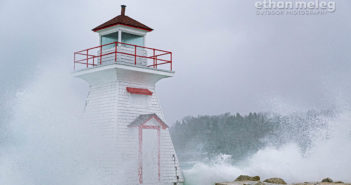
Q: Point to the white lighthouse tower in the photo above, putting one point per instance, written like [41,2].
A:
[122,104]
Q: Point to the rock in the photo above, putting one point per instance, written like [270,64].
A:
[275,181]
[260,183]
[327,180]
[247,178]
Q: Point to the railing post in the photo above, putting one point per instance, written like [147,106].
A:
[115,51]
[74,64]
[171,61]
[153,66]
[100,54]
[156,62]
[135,52]
[155,54]
[87,58]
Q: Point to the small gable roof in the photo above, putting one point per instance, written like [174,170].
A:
[144,118]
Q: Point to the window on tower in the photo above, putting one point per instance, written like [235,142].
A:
[132,39]
[109,38]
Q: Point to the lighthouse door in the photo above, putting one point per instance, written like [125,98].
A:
[150,156]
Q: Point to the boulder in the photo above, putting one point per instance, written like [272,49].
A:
[260,183]
[275,181]
[327,180]
[247,178]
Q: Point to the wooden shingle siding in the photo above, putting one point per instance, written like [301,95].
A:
[109,110]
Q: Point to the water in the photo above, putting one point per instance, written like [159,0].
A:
[46,142]
[328,156]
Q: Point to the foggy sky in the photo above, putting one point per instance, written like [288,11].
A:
[226,58]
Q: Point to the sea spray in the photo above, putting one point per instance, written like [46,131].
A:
[328,155]
[46,141]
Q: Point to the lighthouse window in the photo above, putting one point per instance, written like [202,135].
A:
[132,39]
[110,38]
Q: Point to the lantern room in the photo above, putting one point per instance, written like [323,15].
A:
[122,42]
[122,29]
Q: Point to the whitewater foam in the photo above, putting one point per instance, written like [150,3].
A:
[328,156]
[47,142]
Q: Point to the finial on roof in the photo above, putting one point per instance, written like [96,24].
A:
[123,9]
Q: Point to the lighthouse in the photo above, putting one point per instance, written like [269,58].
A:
[122,104]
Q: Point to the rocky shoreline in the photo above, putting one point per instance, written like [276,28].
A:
[256,180]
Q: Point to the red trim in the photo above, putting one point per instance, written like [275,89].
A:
[158,57]
[140,169]
[149,127]
[163,125]
[139,91]
[95,30]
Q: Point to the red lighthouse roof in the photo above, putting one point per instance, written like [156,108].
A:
[123,20]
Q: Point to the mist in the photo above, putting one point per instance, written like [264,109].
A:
[327,156]
[46,140]
[226,58]
[219,48]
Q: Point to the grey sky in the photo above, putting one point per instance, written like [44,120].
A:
[227,59]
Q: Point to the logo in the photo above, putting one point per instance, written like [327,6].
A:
[297,7]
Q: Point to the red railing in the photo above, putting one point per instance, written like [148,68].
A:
[118,52]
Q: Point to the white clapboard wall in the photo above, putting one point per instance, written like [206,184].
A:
[110,109]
